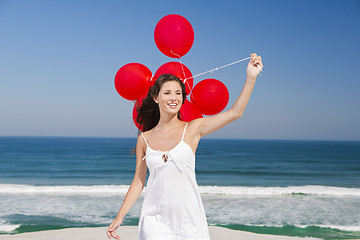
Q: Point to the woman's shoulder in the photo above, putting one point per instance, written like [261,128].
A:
[195,123]
[193,127]
[141,144]
[147,133]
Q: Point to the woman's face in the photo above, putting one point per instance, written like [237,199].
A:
[170,97]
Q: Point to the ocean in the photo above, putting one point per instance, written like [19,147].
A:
[294,188]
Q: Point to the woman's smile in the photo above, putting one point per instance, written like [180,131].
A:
[170,96]
[172,105]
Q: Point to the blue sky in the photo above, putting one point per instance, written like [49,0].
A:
[58,60]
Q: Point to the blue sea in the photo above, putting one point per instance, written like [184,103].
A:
[294,188]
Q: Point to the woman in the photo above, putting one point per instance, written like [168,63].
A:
[172,207]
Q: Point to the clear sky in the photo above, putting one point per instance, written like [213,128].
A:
[58,60]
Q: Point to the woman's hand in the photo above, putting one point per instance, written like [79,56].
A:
[254,64]
[111,231]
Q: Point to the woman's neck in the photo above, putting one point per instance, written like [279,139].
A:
[168,123]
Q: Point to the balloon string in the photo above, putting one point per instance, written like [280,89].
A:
[183,71]
[185,79]
[212,70]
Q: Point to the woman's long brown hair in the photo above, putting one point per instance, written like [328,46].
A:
[149,112]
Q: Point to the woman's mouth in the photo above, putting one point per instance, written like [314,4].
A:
[172,105]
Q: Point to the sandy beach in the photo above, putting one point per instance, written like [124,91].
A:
[131,233]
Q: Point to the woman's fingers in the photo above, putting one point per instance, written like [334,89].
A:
[257,61]
[111,231]
[255,65]
[260,62]
[253,57]
[108,232]
[113,234]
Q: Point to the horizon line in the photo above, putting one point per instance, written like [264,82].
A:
[204,138]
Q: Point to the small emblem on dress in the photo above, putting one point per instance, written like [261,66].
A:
[165,158]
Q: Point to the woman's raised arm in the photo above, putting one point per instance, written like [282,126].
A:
[210,124]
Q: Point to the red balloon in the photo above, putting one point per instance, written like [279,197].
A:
[176,68]
[210,96]
[132,80]
[174,35]
[189,112]
[135,112]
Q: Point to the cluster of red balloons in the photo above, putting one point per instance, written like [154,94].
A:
[174,37]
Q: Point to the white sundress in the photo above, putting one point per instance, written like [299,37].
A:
[172,207]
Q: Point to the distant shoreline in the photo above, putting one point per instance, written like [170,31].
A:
[205,138]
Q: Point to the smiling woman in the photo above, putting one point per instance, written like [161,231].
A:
[172,207]
[166,86]
[169,95]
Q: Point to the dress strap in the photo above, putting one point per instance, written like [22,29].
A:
[146,144]
[182,139]
[145,139]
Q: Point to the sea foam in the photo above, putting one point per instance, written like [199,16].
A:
[212,190]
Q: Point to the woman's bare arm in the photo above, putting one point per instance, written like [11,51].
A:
[210,124]
[134,191]
[138,182]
